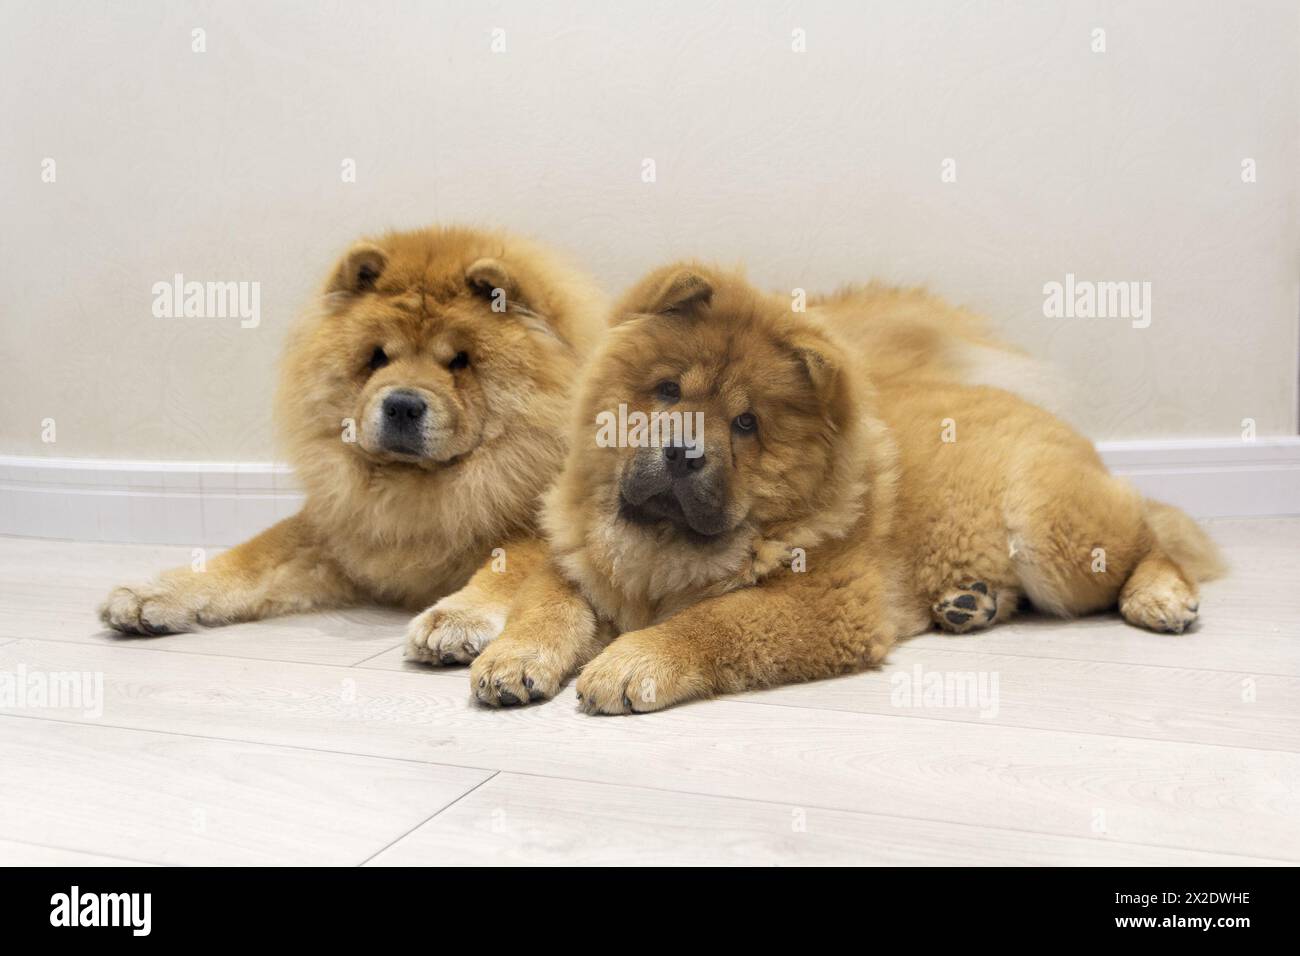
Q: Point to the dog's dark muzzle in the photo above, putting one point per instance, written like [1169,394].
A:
[667,485]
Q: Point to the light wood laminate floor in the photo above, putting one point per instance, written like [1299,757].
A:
[309,740]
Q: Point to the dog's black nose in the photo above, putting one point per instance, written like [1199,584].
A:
[401,408]
[683,460]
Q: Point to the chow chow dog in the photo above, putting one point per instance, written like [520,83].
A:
[842,492]
[423,403]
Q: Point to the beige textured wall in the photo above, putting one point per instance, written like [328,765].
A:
[815,168]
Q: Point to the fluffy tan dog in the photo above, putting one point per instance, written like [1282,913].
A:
[846,491]
[423,402]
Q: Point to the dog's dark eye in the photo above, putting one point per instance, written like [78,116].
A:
[378,359]
[669,391]
[745,423]
[461,360]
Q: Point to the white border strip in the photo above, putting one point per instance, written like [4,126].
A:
[1214,478]
[211,504]
[200,504]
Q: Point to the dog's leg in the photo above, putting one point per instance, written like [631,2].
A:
[457,628]
[1082,542]
[281,571]
[550,633]
[777,633]
[1159,596]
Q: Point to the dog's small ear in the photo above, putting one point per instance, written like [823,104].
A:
[487,276]
[359,270]
[821,361]
[682,291]
[504,291]
[820,368]
[674,294]
[500,287]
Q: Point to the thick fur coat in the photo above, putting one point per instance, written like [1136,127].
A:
[423,403]
[857,482]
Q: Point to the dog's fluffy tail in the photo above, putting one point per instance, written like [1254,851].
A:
[1184,541]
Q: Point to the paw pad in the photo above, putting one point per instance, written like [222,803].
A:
[966,607]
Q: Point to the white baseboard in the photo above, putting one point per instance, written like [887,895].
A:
[211,504]
[200,504]
[1214,478]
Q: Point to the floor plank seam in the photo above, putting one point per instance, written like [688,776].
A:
[129,644]
[431,816]
[386,650]
[1036,730]
[242,740]
[1047,730]
[1097,660]
[69,849]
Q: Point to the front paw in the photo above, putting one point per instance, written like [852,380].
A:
[514,671]
[148,609]
[635,675]
[453,631]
